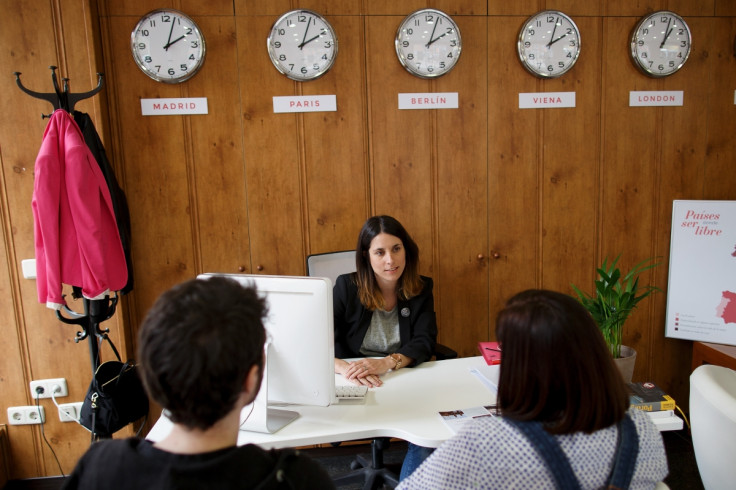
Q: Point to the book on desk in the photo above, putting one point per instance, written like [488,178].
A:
[491,352]
[649,397]
[660,407]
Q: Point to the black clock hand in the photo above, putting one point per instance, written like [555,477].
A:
[551,38]
[431,40]
[308,41]
[166,48]
[669,31]
[437,38]
[552,42]
[168,41]
[305,35]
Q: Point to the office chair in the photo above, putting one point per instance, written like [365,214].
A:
[713,424]
[373,473]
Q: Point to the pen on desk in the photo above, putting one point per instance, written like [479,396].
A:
[491,348]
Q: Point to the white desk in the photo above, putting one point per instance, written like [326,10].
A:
[405,407]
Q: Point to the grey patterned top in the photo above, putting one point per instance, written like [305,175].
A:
[490,453]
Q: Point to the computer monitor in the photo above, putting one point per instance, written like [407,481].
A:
[300,349]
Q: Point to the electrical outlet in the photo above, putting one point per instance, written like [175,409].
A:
[70,412]
[46,386]
[26,415]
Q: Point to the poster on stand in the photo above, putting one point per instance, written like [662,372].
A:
[701,295]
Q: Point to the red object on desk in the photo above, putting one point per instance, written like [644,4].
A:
[490,352]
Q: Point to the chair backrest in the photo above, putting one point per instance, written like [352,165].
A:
[713,423]
[331,264]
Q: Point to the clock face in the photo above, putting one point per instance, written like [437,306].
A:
[660,44]
[167,46]
[302,45]
[549,44]
[428,43]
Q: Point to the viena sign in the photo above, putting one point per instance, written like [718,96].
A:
[174,107]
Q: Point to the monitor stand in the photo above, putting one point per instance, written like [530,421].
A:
[258,417]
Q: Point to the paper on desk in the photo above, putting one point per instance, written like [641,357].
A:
[455,419]
[488,375]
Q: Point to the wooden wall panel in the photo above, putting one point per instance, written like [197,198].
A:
[524,8]
[629,170]
[157,173]
[576,8]
[721,145]
[404,8]
[400,141]
[336,148]
[681,169]
[569,183]
[513,170]
[273,152]
[193,7]
[461,153]
[724,8]
[216,169]
[35,344]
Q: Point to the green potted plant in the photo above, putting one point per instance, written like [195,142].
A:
[615,297]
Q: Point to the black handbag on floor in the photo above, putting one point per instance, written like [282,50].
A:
[115,398]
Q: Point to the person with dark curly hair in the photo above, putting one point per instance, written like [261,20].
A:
[201,354]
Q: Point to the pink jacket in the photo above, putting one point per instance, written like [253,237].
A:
[76,235]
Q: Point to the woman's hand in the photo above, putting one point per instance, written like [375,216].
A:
[363,371]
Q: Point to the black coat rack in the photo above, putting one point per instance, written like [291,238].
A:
[61,98]
[96,311]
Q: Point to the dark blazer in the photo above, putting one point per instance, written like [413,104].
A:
[418,329]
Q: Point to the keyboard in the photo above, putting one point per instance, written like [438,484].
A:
[350,392]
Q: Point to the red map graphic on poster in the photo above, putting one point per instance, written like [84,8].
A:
[727,307]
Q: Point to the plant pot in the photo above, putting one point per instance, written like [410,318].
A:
[625,363]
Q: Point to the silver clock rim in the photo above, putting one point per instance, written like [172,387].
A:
[277,65]
[519,48]
[633,38]
[406,64]
[145,69]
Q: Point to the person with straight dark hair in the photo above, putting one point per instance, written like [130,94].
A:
[384,312]
[564,419]
[201,354]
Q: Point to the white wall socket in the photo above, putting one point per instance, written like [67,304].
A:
[26,415]
[29,268]
[70,412]
[46,386]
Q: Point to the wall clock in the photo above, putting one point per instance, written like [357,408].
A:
[428,43]
[302,45]
[660,44]
[168,46]
[549,44]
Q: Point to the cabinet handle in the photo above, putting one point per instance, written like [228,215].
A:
[496,255]
[241,268]
[259,267]
[481,257]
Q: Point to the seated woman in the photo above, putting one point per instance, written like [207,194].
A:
[384,312]
[385,309]
[559,394]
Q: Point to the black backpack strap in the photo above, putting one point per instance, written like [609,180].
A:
[550,451]
[627,450]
